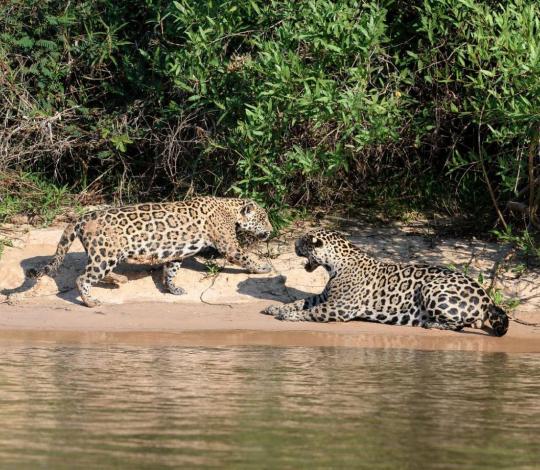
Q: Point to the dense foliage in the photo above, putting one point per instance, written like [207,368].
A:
[420,104]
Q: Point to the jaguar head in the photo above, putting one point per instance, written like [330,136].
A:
[253,220]
[322,248]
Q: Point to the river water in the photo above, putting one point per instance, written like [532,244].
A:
[105,407]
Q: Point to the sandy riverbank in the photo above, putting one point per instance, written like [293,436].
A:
[225,309]
[192,324]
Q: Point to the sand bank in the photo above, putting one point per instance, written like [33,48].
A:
[224,310]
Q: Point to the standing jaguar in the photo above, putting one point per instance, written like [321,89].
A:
[161,233]
[361,287]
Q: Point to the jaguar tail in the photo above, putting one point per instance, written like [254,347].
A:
[61,250]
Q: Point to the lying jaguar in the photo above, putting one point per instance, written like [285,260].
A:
[161,233]
[364,288]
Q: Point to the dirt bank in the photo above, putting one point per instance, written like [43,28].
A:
[225,309]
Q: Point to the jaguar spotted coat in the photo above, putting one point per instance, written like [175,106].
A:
[361,287]
[161,233]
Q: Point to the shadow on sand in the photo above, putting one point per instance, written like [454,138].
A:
[75,262]
[272,288]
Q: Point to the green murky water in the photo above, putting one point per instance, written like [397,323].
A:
[259,407]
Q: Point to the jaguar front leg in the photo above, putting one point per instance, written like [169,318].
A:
[170,270]
[116,279]
[230,248]
[297,305]
[323,312]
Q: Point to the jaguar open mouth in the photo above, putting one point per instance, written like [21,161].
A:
[310,267]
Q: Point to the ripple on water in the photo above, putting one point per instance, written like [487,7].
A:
[263,407]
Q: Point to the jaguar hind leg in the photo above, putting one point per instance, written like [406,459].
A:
[94,272]
[454,325]
[445,307]
[170,270]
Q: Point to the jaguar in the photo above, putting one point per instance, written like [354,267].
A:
[362,287]
[158,233]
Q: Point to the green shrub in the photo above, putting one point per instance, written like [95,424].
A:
[33,195]
[482,62]
[406,105]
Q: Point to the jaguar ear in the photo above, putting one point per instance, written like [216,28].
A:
[247,208]
[316,242]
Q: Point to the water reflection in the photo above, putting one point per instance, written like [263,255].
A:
[263,407]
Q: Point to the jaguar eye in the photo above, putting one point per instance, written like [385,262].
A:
[316,242]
